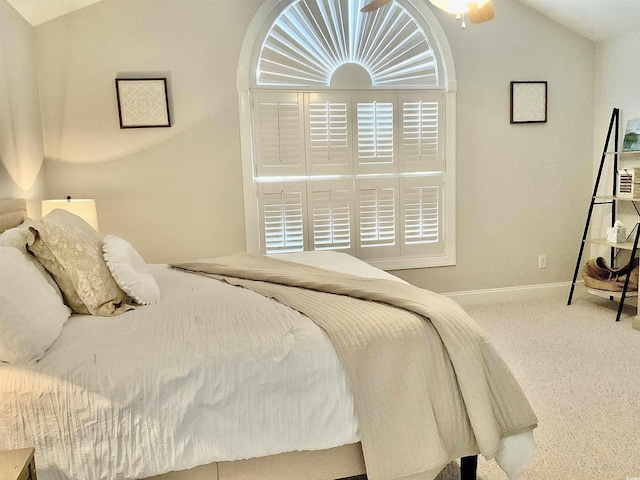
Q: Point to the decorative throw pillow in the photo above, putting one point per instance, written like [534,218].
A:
[31,314]
[130,271]
[71,251]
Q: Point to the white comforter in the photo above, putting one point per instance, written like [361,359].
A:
[211,373]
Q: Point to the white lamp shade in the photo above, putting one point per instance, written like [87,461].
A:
[85,208]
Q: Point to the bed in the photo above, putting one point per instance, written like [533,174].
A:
[258,392]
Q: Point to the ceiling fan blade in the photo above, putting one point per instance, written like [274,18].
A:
[376,4]
[480,14]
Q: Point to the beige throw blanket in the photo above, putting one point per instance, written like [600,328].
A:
[427,385]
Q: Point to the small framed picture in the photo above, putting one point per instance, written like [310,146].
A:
[631,140]
[528,102]
[143,102]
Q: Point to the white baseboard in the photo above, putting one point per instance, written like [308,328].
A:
[526,292]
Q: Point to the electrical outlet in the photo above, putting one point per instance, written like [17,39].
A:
[542,261]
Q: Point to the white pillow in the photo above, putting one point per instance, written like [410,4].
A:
[31,314]
[19,237]
[130,271]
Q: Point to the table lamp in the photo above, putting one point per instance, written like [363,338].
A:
[85,208]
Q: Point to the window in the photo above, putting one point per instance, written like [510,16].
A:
[350,165]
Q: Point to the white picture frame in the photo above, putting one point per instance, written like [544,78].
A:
[143,102]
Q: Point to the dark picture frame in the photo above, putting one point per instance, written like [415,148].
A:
[528,102]
[143,102]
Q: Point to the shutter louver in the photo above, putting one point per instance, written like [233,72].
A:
[331,212]
[421,210]
[279,135]
[421,215]
[420,148]
[375,132]
[377,217]
[329,131]
[282,209]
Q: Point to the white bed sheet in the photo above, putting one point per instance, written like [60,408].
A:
[121,397]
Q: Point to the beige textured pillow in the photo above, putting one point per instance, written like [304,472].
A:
[72,253]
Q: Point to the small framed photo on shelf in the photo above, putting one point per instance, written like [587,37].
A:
[528,102]
[631,141]
[143,102]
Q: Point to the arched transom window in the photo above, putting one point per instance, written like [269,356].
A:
[311,40]
[346,127]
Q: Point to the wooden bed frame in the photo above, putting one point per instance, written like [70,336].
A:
[334,463]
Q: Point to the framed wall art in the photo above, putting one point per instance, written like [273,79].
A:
[631,140]
[143,102]
[528,102]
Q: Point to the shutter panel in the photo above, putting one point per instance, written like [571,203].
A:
[282,218]
[329,134]
[378,218]
[376,131]
[279,134]
[421,212]
[422,130]
[359,172]
[331,213]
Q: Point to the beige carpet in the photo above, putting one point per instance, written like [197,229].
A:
[581,371]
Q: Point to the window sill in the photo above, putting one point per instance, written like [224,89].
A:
[407,263]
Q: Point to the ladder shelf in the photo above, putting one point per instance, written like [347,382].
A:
[611,200]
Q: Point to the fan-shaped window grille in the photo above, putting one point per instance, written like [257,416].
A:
[311,39]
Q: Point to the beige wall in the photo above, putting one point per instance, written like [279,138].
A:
[174,193]
[177,193]
[617,80]
[21,150]
[522,190]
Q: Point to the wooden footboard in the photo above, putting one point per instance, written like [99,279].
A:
[344,462]
[339,462]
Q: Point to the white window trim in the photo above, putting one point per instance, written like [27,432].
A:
[245,81]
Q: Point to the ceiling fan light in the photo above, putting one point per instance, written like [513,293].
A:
[452,6]
[481,11]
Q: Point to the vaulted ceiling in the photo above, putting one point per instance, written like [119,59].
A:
[594,19]
[40,11]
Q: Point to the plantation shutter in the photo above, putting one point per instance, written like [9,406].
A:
[279,138]
[329,134]
[421,215]
[375,132]
[421,148]
[377,214]
[282,216]
[361,173]
[331,212]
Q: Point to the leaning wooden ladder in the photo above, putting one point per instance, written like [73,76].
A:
[611,200]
